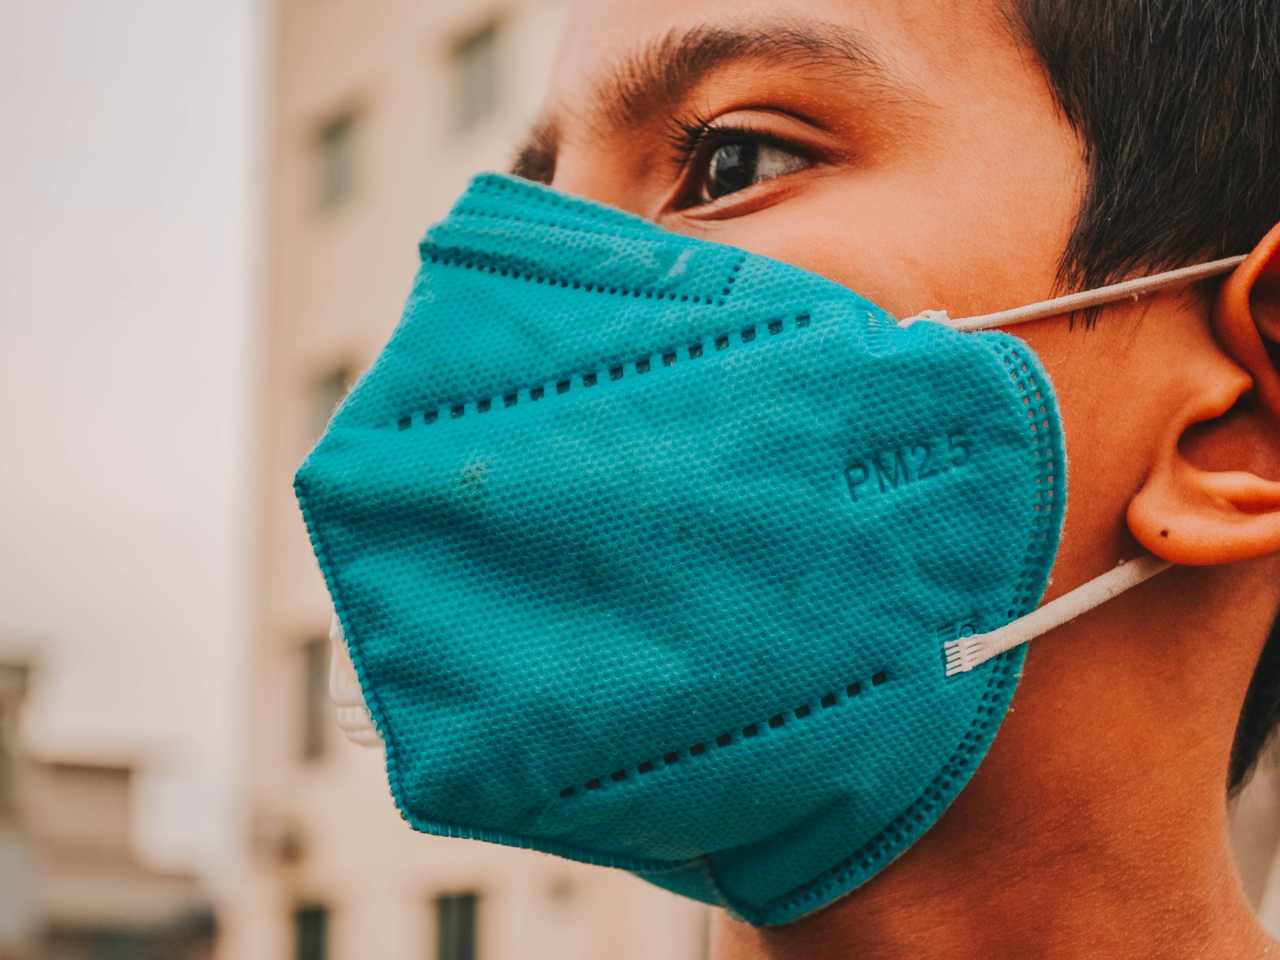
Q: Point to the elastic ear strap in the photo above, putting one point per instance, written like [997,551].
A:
[1128,290]
[968,652]
[344,690]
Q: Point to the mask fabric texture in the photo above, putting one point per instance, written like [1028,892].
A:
[646,550]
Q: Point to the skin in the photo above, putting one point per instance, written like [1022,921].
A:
[937,172]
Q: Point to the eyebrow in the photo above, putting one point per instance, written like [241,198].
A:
[664,71]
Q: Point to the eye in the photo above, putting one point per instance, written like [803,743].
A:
[742,163]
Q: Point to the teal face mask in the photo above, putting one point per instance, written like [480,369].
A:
[656,554]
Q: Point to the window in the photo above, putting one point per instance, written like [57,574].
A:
[13,685]
[8,761]
[456,927]
[335,160]
[326,394]
[311,933]
[315,698]
[475,68]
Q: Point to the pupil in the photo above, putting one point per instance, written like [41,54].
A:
[732,168]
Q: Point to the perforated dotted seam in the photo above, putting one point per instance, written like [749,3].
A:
[751,730]
[478,263]
[667,358]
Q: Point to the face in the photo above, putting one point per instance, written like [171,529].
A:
[908,149]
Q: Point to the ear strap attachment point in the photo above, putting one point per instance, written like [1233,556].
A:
[965,654]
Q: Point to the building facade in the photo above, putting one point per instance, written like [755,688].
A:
[382,109]
[71,887]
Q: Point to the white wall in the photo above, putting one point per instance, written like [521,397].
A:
[127,224]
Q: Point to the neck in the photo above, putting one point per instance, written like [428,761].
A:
[1097,824]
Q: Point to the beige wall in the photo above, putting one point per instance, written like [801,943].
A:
[326,831]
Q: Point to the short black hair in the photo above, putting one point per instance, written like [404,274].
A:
[1260,716]
[1177,106]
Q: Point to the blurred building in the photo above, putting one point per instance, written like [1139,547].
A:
[382,110]
[70,886]
[1255,838]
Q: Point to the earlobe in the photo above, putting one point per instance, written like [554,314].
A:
[1212,495]
[1196,517]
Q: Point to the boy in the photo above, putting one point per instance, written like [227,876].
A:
[976,156]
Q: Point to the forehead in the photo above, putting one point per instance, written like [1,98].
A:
[928,39]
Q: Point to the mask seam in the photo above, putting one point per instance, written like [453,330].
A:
[828,701]
[1049,507]
[713,878]
[1047,513]
[704,865]
[630,233]
[750,334]
[454,257]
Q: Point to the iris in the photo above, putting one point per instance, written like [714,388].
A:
[734,166]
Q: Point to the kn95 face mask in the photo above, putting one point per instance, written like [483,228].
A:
[655,554]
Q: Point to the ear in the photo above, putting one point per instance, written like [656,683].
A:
[1212,496]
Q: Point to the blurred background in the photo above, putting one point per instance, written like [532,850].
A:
[209,212]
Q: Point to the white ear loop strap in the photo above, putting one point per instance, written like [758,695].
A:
[1129,290]
[344,691]
[967,652]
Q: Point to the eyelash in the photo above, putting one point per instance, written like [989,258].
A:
[698,135]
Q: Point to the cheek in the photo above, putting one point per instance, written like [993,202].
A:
[1105,449]
[836,234]
[1116,385]
[918,237]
